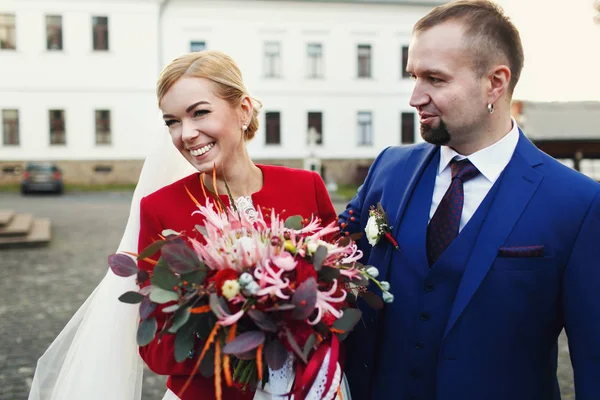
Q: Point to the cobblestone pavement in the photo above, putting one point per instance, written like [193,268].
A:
[41,288]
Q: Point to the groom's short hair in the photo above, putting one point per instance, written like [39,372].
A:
[488,29]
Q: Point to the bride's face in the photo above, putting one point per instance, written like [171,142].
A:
[206,129]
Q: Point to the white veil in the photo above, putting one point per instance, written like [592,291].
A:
[95,357]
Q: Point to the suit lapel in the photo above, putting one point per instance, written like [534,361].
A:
[517,185]
[407,175]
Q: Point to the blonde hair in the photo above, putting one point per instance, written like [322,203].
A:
[217,67]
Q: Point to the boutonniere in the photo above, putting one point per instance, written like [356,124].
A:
[378,227]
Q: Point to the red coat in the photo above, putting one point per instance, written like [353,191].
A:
[288,191]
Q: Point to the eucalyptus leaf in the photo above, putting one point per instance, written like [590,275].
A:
[310,342]
[262,320]
[146,308]
[122,265]
[163,277]
[180,258]
[184,343]
[294,345]
[207,366]
[162,296]
[347,322]
[179,319]
[170,309]
[329,274]
[245,342]
[275,354]
[146,331]
[151,249]
[305,299]
[319,257]
[202,230]
[372,300]
[131,298]
[294,222]
[282,307]
[195,277]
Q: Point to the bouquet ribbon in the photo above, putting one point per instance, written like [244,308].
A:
[306,375]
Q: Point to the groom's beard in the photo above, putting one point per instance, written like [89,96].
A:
[438,135]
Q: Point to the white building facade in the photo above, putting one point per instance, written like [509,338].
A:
[77,79]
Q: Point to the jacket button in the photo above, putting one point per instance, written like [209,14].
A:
[412,373]
[419,345]
[429,288]
[424,317]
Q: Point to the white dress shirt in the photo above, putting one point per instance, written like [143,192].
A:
[490,162]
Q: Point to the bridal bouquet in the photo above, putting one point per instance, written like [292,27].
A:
[264,296]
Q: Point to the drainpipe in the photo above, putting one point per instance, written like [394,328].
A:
[162,5]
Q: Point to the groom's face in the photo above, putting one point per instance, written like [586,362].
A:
[448,94]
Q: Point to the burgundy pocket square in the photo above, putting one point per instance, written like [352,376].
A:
[521,251]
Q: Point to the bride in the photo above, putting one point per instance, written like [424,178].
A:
[210,117]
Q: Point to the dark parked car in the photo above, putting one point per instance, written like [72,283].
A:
[41,177]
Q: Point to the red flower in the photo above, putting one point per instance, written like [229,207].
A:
[328,319]
[304,270]
[223,275]
[300,330]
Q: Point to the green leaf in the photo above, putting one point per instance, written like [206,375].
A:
[329,274]
[356,236]
[170,309]
[179,319]
[275,354]
[180,258]
[305,299]
[294,222]
[215,301]
[310,342]
[162,296]
[184,343]
[282,307]
[195,277]
[131,298]
[207,366]
[152,249]
[163,277]
[361,281]
[245,342]
[319,257]
[349,320]
[146,331]
[122,265]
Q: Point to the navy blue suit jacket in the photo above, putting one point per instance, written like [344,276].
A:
[500,340]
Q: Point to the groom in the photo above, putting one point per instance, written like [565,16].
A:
[499,243]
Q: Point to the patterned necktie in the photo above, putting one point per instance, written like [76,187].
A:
[445,223]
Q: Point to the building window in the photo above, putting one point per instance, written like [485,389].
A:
[272,60]
[103,135]
[273,126]
[365,128]
[57,127]
[364,60]
[315,128]
[407,124]
[197,45]
[7,32]
[100,33]
[10,127]
[404,60]
[54,39]
[315,60]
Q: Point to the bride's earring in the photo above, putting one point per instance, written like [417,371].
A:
[490,108]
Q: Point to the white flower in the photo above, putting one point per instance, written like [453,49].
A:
[385,285]
[230,289]
[372,230]
[252,288]
[245,279]
[374,272]
[388,297]
[312,246]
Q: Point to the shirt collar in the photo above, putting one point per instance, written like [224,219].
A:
[491,160]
